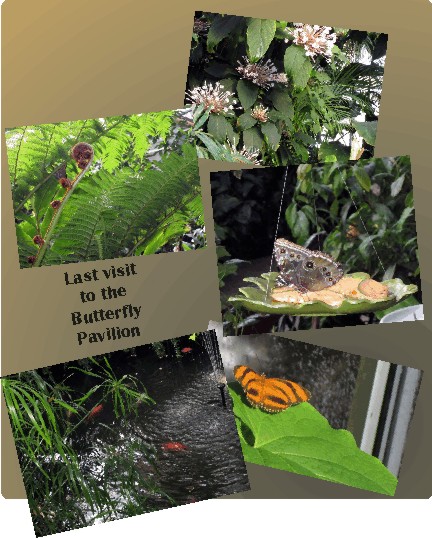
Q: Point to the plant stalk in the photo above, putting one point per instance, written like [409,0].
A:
[44,247]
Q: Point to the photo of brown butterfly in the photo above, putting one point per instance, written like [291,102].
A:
[269,394]
[304,269]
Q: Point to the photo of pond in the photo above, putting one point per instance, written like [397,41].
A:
[126,433]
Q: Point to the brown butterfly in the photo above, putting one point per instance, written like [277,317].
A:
[270,394]
[304,269]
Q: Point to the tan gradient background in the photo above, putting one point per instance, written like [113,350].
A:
[75,60]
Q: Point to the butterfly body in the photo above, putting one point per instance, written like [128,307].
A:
[304,269]
[269,393]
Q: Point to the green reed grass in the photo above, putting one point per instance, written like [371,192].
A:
[44,416]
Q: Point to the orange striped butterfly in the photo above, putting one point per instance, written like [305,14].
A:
[270,394]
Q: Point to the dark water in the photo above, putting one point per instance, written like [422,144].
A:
[185,446]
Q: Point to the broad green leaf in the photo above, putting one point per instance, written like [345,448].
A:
[259,35]
[256,298]
[362,177]
[330,152]
[247,93]
[220,28]
[300,229]
[409,301]
[397,185]
[300,150]
[252,138]
[282,102]
[291,214]
[218,127]
[366,129]
[246,121]
[301,440]
[271,133]
[297,66]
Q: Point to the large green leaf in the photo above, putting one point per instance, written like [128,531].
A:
[252,138]
[258,298]
[247,93]
[259,35]
[219,127]
[221,27]
[302,441]
[297,66]
[366,129]
[282,102]
[362,177]
[273,136]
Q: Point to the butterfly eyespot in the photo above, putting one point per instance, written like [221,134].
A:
[328,273]
[298,257]
[309,265]
[283,251]
[330,279]
[324,269]
[292,255]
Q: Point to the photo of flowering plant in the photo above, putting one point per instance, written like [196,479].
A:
[275,93]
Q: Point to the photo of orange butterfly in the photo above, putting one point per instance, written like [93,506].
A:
[269,394]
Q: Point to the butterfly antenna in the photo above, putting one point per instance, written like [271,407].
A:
[363,224]
[261,369]
[277,226]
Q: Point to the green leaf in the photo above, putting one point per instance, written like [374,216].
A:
[409,301]
[216,150]
[246,121]
[257,299]
[271,133]
[301,227]
[301,440]
[259,35]
[247,93]
[291,214]
[397,185]
[221,27]
[218,126]
[330,152]
[282,102]
[252,138]
[297,66]
[362,177]
[366,129]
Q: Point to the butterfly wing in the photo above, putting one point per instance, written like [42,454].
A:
[252,384]
[305,269]
[270,394]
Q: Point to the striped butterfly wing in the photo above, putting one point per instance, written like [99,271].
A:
[270,394]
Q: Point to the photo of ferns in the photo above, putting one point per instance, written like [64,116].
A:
[105,188]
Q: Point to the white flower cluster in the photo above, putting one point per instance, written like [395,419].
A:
[239,155]
[316,40]
[263,74]
[260,113]
[214,98]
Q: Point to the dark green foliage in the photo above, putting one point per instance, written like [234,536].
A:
[46,416]
[128,203]
[318,104]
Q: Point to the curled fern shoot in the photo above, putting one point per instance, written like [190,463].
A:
[83,154]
